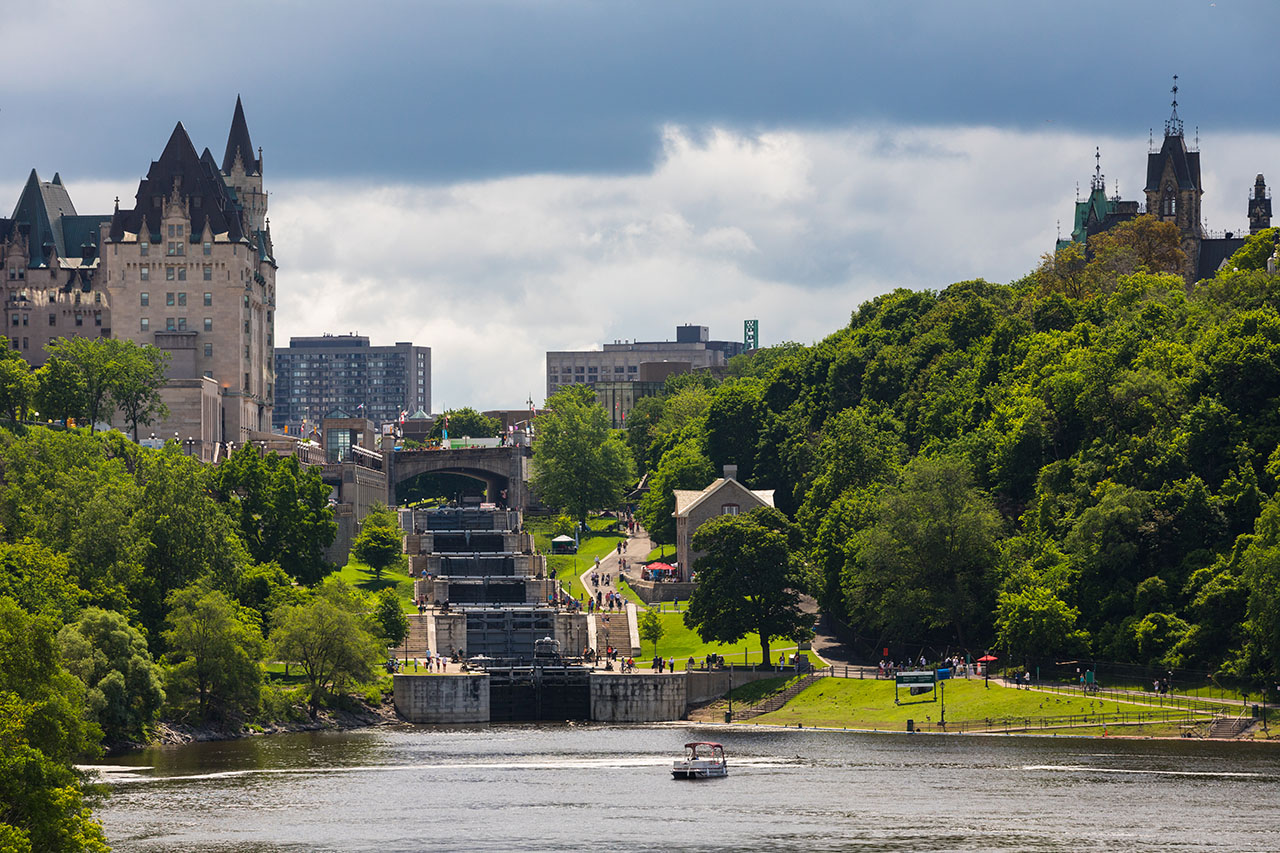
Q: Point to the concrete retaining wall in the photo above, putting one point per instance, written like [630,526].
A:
[704,686]
[652,593]
[442,698]
[617,698]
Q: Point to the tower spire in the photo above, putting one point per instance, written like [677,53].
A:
[1097,182]
[1173,127]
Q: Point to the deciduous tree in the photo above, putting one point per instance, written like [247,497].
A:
[214,653]
[124,686]
[579,463]
[747,580]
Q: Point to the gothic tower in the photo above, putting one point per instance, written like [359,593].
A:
[1173,186]
[1259,207]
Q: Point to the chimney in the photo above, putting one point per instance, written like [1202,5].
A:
[731,472]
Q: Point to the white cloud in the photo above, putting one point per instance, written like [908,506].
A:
[795,228]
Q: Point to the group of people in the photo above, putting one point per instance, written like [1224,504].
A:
[889,668]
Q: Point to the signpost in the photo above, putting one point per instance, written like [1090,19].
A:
[925,681]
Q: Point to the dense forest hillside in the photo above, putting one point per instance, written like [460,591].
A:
[1085,461]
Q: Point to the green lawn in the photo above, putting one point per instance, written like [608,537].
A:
[602,539]
[868,703]
[682,643]
[662,552]
[357,574]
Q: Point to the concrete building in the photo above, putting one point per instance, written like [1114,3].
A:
[621,361]
[725,496]
[315,375]
[645,362]
[189,269]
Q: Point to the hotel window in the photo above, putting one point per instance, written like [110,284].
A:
[172,248]
[97,318]
[208,273]
[208,248]
[169,274]
[144,273]
[24,319]
[208,300]
[144,248]
[208,324]
[145,324]
[208,350]
[15,319]
[172,231]
[53,319]
[182,273]
[144,298]
[246,327]
[182,324]
[168,298]
[97,299]
[25,345]
[208,374]
[79,319]
[169,325]
[182,297]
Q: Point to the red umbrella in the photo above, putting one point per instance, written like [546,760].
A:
[987,658]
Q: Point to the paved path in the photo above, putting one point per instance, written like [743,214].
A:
[611,627]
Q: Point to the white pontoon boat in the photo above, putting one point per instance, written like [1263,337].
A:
[702,760]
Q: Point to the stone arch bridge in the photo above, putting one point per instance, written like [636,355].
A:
[498,468]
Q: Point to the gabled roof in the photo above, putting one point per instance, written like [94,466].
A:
[1214,252]
[238,141]
[687,500]
[419,415]
[198,184]
[1186,164]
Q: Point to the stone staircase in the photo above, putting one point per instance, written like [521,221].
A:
[1229,727]
[616,633]
[776,701]
[415,642]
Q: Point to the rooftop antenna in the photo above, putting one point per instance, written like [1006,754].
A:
[1173,127]
[1059,230]
[1097,183]
[1151,140]
[1077,191]
[1197,137]
[1117,195]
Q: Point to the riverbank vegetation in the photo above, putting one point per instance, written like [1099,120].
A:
[141,589]
[1082,464]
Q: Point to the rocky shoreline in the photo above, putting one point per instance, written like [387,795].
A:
[171,733]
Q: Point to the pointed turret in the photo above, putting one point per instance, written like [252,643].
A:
[239,144]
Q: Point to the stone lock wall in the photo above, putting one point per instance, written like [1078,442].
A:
[442,698]
[617,698]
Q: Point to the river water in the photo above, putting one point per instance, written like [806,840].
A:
[600,788]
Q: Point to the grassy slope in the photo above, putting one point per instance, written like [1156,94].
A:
[868,703]
[357,574]
[662,552]
[569,568]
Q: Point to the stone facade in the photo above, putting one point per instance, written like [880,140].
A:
[189,269]
[725,496]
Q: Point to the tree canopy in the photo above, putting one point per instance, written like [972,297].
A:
[465,422]
[579,463]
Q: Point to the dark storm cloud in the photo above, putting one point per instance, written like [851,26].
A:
[450,90]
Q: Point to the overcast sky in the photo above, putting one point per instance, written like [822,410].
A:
[496,179]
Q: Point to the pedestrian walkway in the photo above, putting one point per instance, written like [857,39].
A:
[617,630]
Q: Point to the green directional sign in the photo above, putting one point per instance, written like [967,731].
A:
[916,677]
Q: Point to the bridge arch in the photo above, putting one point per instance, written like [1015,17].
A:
[498,467]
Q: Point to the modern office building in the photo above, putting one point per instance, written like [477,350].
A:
[621,361]
[318,375]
